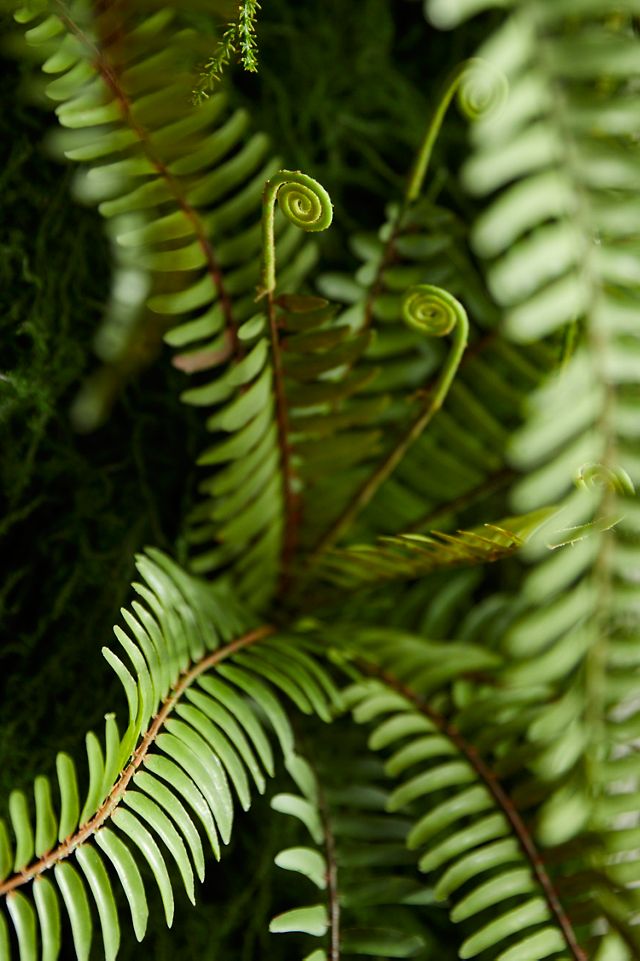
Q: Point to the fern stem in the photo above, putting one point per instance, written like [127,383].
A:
[463,81]
[332,876]
[109,76]
[147,741]
[480,89]
[500,796]
[425,152]
[291,501]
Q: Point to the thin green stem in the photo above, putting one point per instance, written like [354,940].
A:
[423,159]
[303,201]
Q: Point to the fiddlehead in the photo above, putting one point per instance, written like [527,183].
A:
[436,313]
[303,201]
[480,89]
[432,310]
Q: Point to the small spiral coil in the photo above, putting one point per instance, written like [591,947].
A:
[304,201]
[431,310]
[599,476]
[482,89]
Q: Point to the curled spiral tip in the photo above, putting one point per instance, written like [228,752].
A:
[483,89]
[304,201]
[432,310]
[599,476]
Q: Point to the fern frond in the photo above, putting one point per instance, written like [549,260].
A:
[355,858]
[408,556]
[239,40]
[476,844]
[201,705]
[181,189]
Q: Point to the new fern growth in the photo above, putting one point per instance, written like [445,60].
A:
[406,602]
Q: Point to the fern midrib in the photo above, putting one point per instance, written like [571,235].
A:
[109,76]
[333,893]
[113,799]
[291,505]
[500,796]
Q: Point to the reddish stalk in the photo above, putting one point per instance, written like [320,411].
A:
[291,505]
[106,809]
[333,894]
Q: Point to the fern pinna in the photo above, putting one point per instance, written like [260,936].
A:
[414,520]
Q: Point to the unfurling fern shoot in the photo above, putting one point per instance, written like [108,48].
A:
[436,313]
[303,201]
[601,477]
[481,90]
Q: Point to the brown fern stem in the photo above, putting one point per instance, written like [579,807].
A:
[291,505]
[110,77]
[333,893]
[500,796]
[108,806]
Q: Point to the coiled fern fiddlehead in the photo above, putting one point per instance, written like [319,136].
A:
[303,201]
[480,89]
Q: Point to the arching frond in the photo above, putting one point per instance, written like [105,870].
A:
[203,686]
[408,556]
[180,187]
[474,838]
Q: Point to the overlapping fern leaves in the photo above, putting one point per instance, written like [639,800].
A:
[331,427]
[181,188]
[354,855]
[202,705]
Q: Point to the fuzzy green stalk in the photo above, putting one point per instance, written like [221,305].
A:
[481,90]
[303,201]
